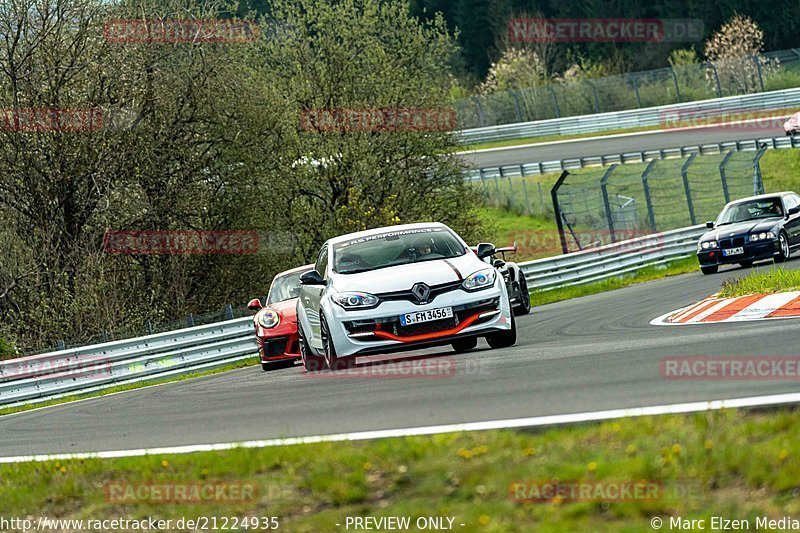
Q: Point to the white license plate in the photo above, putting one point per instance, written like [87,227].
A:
[426,316]
[732,251]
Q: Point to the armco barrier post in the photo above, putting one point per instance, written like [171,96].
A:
[557,210]
[555,101]
[516,105]
[525,190]
[684,174]
[677,89]
[716,78]
[758,184]
[594,94]
[651,216]
[722,176]
[606,203]
[636,89]
[758,69]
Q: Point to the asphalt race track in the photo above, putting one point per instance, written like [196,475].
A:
[593,353]
[621,144]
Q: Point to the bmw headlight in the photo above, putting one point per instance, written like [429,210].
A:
[481,279]
[762,236]
[269,319]
[708,245]
[355,300]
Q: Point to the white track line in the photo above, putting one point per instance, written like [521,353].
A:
[764,306]
[774,399]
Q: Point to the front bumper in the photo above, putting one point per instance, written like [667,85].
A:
[278,348]
[369,332]
[753,251]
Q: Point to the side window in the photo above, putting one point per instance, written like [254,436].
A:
[795,198]
[791,201]
[322,261]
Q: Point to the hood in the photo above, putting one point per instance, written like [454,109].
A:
[403,277]
[740,228]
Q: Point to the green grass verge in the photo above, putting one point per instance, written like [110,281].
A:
[681,266]
[730,463]
[127,387]
[535,236]
[767,281]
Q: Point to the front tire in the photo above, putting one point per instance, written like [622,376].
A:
[334,361]
[709,269]
[522,296]
[311,362]
[783,248]
[504,339]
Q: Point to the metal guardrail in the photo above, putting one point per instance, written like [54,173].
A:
[543,167]
[90,368]
[636,118]
[612,260]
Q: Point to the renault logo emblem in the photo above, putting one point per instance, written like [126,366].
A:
[421,291]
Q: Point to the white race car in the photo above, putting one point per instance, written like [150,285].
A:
[399,288]
[792,126]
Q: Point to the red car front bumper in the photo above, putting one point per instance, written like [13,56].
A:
[279,347]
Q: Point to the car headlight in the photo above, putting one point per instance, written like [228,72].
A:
[269,319]
[708,244]
[481,279]
[761,236]
[355,300]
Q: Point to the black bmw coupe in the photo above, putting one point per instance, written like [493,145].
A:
[752,229]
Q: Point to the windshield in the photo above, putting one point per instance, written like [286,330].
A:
[284,287]
[395,248]
[751,210]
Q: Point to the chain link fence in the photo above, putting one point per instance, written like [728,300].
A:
[619,202]
[768,72]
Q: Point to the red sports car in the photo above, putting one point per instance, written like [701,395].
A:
[276,322]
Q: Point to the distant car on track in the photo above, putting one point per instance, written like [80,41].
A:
[399,288]
[516,284]
[752,229]
[792,126]
[276,322]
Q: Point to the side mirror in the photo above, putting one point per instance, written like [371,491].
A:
[485,249]
[794,210]
[311,278]
[499,263]
[254,304]
[709,224]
